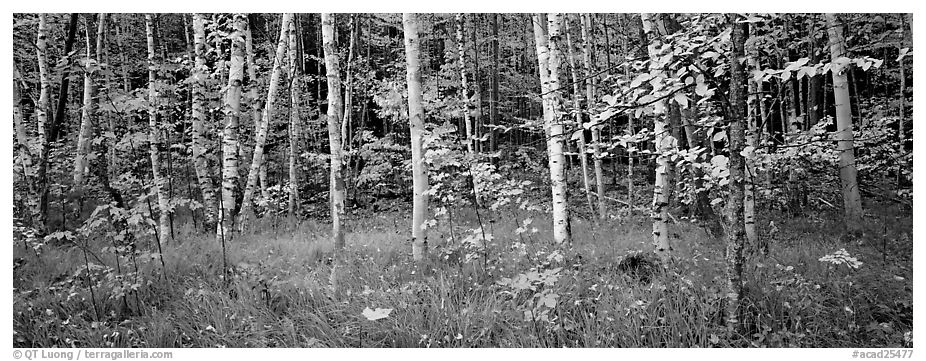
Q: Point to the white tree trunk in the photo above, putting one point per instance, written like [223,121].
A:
[663,142]
[348,86]
[335,107]
[154,137]
[200,159]
[852,201]
[549,60]
[26,155]
[294,96]
[255,100]
[464,84]
[416,125]
[230,131]
[257,160]
[42,108]
[87,113]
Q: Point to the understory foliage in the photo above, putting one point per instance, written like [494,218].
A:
[812,290]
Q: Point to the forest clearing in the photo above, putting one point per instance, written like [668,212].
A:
[462,180]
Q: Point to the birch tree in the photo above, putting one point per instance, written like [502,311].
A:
[663,142]
[26,153]
[42,110]
[733,224]
[416,126]
[255,101]
[154,136]
[87,111]
[200,158]
[294,96]
[232,108]
[549,60]
[852,201]
[464,83]
[258,159]
[335,107]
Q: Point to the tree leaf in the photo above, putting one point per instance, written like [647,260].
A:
[377,314]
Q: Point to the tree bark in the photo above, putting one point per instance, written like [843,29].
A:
[733,208]
[61,109]
[257,160]
[416,126]
[335,107]
[230,140]
[26,157]
[348,87]
[494,95]
[464,84]
[549,60]
[577,113]
[88,111]
[295,85]
[255,101]
[200,158]
[42,110]
[662,143]
[752,123]
[590,78]
[852,201]
[154,139]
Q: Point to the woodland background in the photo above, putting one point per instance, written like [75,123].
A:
[462,180]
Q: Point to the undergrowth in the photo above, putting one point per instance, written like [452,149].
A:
[284,286]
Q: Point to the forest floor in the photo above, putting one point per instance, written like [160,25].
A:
[284,290]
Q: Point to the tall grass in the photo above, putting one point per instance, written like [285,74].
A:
[287,287]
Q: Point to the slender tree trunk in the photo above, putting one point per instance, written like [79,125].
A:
[88,112]
[477,87]
[230,140]
[464,84]
[124,62]
[295,86]
[902,121]
[901,124]
[749,201]
[26,157]
[733,207]
[255,100]
[200,158]
[257,160]
[416,126]
[660,194]
[61,109]
[847,171]
[154,141]
[630,126]
[577,113]
[42,110]
[590,78]
[814,83]
[335,107]
[348,87]
[494,95]
[549,60]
